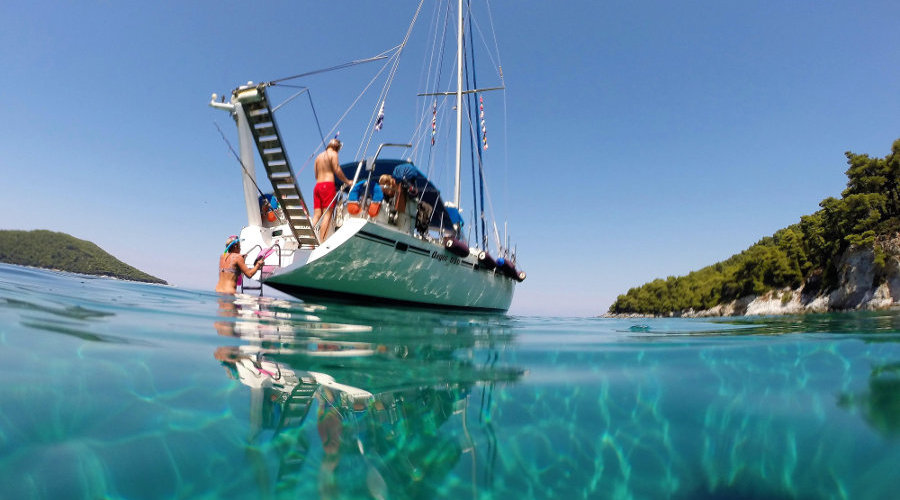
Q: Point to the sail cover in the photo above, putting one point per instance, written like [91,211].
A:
[405,171]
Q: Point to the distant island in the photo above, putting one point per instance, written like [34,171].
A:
[60,251]
[844,256]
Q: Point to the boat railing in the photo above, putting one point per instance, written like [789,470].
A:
[370,165]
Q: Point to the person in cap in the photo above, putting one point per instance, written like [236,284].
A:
[327,167]
[392,191]
[232,266]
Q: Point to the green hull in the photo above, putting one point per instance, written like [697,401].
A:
[367,263]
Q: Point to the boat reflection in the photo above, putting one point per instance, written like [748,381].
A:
[386,404]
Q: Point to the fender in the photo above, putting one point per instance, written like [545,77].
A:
[353,204]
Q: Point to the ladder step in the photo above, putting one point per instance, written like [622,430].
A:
[272,151]
[277,163]
[259,112]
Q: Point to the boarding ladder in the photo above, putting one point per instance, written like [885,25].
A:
[278,167]
[295,446]
[298,403]
[263,273]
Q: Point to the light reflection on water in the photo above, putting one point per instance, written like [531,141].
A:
[125,390]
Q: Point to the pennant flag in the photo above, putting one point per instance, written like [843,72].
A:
[433,120]
[379,122]
[483,125]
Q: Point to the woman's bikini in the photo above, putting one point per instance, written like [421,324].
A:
[234,269]
[230,269]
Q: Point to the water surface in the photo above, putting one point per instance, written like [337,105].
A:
[111,389]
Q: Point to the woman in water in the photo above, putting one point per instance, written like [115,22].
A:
[231,265]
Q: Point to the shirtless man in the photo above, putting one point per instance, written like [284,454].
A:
[327,166]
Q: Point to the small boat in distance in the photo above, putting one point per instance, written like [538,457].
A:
[405,246]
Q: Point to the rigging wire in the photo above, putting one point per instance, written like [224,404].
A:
[420,133]
[343,116]
[478,110]
[389,54]
[420,129]
[369,132]
[308,94]
[380,56]
[244,167]
[238,158]
[390,79]
[505,113]
[472,145]
[498,64]
[478,30]
[490,204]
[437,74]
[448,95]
[425,74]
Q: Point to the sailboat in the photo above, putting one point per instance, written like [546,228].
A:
[410,250]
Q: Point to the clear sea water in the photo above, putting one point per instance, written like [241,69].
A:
[112,389]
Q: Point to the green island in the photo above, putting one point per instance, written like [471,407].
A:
[60,251]
[800,262]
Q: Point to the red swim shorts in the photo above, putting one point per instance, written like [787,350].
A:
[323,194]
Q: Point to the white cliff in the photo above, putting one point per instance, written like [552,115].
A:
[863,284]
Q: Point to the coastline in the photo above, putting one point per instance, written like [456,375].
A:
[864,285]
[57,251]
[106,276]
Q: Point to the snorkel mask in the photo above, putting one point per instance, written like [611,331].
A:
[231,242]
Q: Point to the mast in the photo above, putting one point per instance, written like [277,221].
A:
[459,83]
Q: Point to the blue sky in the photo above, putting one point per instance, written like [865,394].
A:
[643,140]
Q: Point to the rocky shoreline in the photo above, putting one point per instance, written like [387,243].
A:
[864,285]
